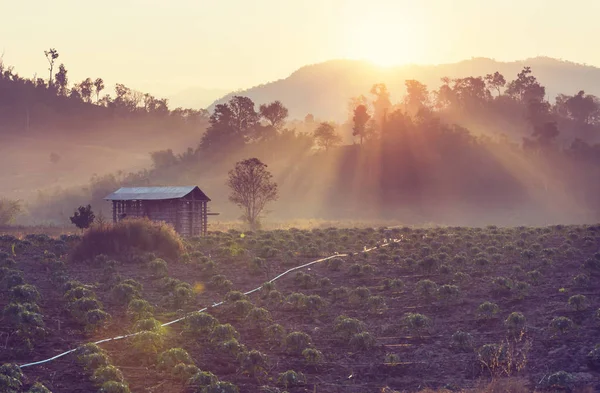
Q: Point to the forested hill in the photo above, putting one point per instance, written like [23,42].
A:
[324,89]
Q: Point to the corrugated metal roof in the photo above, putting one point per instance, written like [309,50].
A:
[153,193]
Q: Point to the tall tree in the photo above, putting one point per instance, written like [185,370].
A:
[62,80]
[51,56]
[274,113]
[251,188]
[417,96]
[231,124]
[583,108]
[381,103]
[86,88]
[360,119]
[98,87]
[326,136]
[495,81]
[526,87]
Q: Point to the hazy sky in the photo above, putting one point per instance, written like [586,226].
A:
[163,46]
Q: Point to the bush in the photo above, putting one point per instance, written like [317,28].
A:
[10,378]
[172,357]
[114,387]
[124,293]
[183,372]
[296,342]
[259,317]
[578,302]
[93,361]
[515,323]
[345,328]
[561,324]
[487,310]
[158,268]
[78,292]
[148,324]
[107,373]
[24,294]
[253,362]
[200,323]
[80,307]
[224,332]
[139,309]
[362,341]
[147,343]
[560,380]
[38,388]
[462,341]
[447,293]
[127,236]
[95,319]
[426,289]
[290,379]
[312,356]
[231,347]
[593,358]
[275,334]
[417,323]
[359,295]
[220,387]
[202,379]
[394,284]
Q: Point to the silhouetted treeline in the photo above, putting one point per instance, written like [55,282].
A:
[477,150]
[38,104]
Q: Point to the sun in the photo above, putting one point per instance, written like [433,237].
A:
[382,36]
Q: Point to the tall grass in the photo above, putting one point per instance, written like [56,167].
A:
[127,237]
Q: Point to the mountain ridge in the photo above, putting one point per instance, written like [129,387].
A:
[323,89]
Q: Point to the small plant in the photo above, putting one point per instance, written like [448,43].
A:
[426,289]
[392,284]
[172,357]
[578,302]
[124,293]
[234,296]
[83,217]
[139,309]
[417,323]
[391,359]
[10,378]
[462,341]
[220,283]
[253,362]
[114,387]
[312,356]
[275,334]
[560,380]
[296,342]
[24,294]
[502,285]
[339,293]
[359,295]
[593,358]
[259,317]
[515,324]
[521,289]
[487,310]
[183,372]
[561,324]
[231,347]
[345,328]
[224,332]
[202,379]
[376,304]
[105,374]
[38,388]
[335,264]
[362,341]
[448,293]
[355,270]
[290,379]
[158,268]
[147,343]
[96,319]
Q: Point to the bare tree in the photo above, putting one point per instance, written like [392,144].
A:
[51,56]
[251,188]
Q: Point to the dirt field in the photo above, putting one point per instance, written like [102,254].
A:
[532,271]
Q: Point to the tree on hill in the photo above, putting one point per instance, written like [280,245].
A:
[275,113]
[231,125]
[251,188]
[83,217]
[326,136]
[51,56]
[98,87]
[360,119]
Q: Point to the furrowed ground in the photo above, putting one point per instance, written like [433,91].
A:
[443,308]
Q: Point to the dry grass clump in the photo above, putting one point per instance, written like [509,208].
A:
[128,236]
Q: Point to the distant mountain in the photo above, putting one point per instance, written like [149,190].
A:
[324,89]
[196,97]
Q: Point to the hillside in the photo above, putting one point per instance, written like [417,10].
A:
[324,89]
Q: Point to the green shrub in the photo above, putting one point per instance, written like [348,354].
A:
[593,358]
[148,324]
[560,380]
[223,333]
[127,236]
[158,268]
[171,358]
[38,388]
[124,293]
[462,341]
[220,283]
[183,372]
[376,304]
[359,295]
[139,309]
[515,323]
[96,319]
[345,328]
[561,324]
[340,293]
[487,310]
[296,342]
[24,294]
[80,307]
[392,284]
[147,343]
[448,293]
[259,317]
[10,378]
[114,387]
[502,285]
[426,289]
[312,356]
[275,334]
[231,347]
[416,323]
[335,264]
[220,387]
[234,296]
[105,374]
[253,362]
[290,379]
[79,292]
[582,280]
[578,302]
[362,341]
[92,361]
[202,379]
[200,323]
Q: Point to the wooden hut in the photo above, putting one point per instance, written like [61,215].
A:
[185,208]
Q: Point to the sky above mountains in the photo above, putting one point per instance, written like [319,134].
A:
[166,46]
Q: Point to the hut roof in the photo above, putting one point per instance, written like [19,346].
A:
[155,193]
